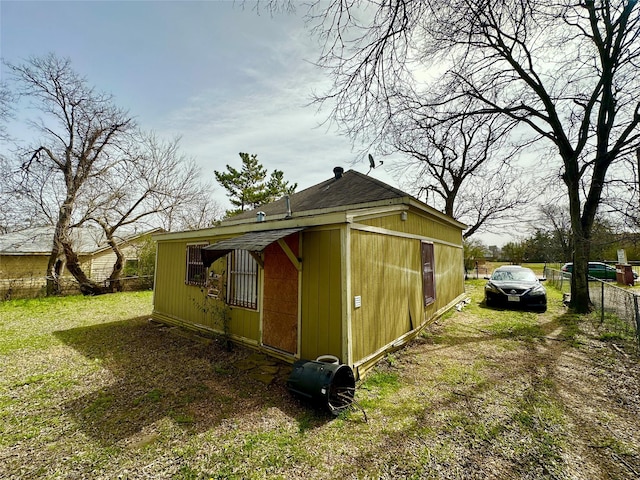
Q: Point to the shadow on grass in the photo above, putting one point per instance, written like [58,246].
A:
[501,412]
[482,406]
[147,372]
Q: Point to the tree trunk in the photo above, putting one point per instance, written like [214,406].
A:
[54,271]
[114,282]
[87,286]
[54,266]
[581,230]
[580,300]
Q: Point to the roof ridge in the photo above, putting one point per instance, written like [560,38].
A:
[342,190]
[380,183]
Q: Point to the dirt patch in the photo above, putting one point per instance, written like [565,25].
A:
[544,399]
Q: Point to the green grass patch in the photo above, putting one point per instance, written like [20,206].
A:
[90,388]
[382,382]
[517,327]
[29,323]
[612,328]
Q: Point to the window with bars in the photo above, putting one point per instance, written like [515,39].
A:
[242,280]
[196,271]
[428,274]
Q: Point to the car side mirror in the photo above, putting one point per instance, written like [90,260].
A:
[487,278]
[543,279]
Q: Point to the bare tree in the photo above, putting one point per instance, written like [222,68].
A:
[151,184]
[566,72]
[7,205]
[79,129]
[556,220]
[464,166]
[5,110]
[92,166]
[272,7]
[622,194]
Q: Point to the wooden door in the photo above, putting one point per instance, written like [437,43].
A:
[280,301]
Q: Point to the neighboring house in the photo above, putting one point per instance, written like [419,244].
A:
[24,256]
[351,267]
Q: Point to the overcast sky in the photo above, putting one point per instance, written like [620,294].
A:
[220,75]
[217,73]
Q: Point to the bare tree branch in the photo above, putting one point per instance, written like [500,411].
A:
[566,72]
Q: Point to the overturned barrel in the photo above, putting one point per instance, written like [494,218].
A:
[326,384]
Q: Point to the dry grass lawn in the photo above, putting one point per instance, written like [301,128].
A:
[89,388]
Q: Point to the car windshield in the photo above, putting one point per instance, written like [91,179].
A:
[523,275]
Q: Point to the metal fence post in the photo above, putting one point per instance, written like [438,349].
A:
[601,303]
[637,311]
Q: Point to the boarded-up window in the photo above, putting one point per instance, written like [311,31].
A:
[242,283]
[428,274]
[196,271]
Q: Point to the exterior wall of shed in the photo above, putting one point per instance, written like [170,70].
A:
[321,294]
[386,272]
[417,223]
[188,305]
[385,268]
[386,276]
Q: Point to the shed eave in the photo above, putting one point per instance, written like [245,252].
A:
[436,213]
[307,218]
[251,241]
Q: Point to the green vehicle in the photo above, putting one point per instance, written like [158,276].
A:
[598,270]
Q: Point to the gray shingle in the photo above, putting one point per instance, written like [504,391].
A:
[353,188]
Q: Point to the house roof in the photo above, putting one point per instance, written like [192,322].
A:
[347,190]
[38,240]
[327,202]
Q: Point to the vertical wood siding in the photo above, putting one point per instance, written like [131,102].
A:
[386,274]
[417,224]
[321,322]
[449,271]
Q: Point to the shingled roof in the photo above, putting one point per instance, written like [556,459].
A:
[38,240]
[344,190]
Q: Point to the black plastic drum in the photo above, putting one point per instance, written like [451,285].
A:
[328,385]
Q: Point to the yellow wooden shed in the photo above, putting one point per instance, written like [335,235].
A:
[350,267]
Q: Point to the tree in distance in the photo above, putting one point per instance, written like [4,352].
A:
[248,188]
[91,165]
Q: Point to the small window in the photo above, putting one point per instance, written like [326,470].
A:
[196,271]
[242,283]
[428,274]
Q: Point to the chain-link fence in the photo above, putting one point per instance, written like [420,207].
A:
[609,299]
[32,287]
